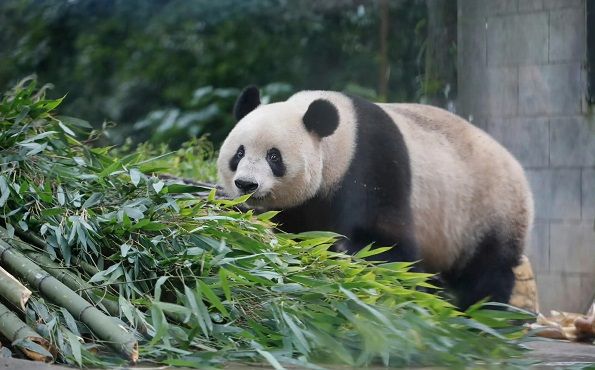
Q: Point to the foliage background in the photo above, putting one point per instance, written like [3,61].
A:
[173,67]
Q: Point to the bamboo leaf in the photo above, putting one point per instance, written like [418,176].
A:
[61,196]
[66,129]
[4,191]
[212,298]
[135,176]
[75,347]
[270,359]
[225,284]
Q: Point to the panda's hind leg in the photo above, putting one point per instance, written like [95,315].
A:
[488,273]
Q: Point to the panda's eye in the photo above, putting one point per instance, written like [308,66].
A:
[240,152]
[275,161]
[274,155]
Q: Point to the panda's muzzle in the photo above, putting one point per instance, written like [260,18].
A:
[246,186]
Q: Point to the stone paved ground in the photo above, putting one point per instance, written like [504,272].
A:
[550,354]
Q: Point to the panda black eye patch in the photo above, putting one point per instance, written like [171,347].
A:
[237,157]
[275,161]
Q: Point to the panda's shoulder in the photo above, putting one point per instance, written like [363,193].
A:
[428,117]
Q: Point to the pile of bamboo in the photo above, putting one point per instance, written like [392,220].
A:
[23,269]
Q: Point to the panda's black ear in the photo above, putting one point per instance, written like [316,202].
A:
[248,100]
[321,118]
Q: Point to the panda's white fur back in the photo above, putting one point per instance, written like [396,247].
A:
[463,182]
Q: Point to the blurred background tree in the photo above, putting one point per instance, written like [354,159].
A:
[166,70]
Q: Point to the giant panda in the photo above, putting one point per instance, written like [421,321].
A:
[406,175]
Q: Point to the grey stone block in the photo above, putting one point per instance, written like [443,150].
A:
[588,195]
[565,292]
[518,39]
[488,92]
[572,248]
[474,8]
[556,4]
[471,48]
[557,193]
[532,5]
[567,35]
[550,89]
[527,139]
[572,142]
[538,248]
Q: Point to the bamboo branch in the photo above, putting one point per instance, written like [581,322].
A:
[17,331]
[105,327]
[12,289]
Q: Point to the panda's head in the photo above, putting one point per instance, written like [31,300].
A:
[274,151]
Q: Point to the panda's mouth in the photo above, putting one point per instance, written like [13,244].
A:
[258,198]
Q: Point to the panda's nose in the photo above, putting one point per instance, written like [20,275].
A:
[246,186]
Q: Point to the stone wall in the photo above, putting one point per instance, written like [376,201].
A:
[522,78]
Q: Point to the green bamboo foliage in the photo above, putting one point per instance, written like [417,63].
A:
[12,290]
[102,325]
[22,336]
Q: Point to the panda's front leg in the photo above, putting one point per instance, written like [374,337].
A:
[404,247]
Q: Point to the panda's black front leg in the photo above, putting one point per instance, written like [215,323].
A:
[404,247]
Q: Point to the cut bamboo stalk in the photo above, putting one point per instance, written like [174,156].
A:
[59,272]
[12,289]
[15,330]
[105,327]
[71,280]
[80,286]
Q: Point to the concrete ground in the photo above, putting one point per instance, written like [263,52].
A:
[561,354]
[550,354]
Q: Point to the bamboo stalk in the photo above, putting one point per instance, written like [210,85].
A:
[86,267]
[105,327]
[73,282]
[59,272]
[12,289]
[80,286]
[35,240]
[15,330]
